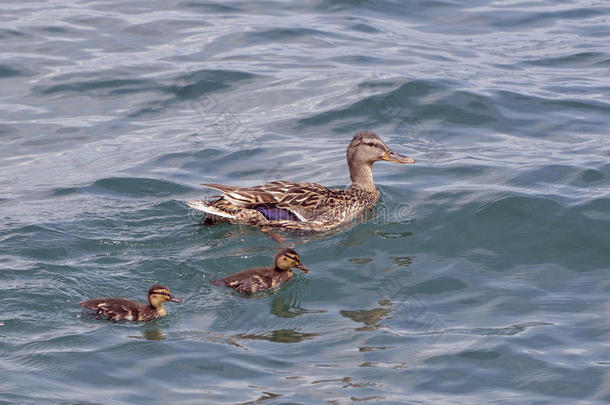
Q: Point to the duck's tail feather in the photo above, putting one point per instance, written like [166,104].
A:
[218,282]
[210,209]
[221,187]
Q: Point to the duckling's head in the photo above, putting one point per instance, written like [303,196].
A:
[158,294]
[287,258]
[367,147]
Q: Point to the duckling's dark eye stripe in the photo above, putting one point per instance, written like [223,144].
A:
[161,292]
[291,256]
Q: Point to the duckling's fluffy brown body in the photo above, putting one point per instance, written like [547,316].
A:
[262,278]
[256,279]
[119,309]
[123,309]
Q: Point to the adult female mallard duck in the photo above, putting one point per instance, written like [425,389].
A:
[305,206]
[262,278]
[119,309]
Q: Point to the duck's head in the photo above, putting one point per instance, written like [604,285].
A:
[159,294]
[287,258]
[367,147]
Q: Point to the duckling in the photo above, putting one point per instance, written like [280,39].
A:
[119,309]
[261,278]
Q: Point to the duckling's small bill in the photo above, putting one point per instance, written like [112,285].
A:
[303,268]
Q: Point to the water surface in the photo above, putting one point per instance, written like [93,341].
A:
[481,276]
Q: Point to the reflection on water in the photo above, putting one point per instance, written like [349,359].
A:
[265,397]
[373,348]
[371,398]
[360,260]
[505,330]
[279,336]
[402,261]
[348,382]
[286,305]
[149,334]
[393,366]
[369,317]
[371,266]
[394,235]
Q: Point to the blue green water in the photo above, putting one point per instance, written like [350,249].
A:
[482,276]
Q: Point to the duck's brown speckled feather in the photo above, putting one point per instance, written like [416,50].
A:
[316,208]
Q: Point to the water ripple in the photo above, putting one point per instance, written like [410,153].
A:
[483,268]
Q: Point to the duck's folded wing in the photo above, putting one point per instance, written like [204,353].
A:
[281,200]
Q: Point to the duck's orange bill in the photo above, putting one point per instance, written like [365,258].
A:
[392,156]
